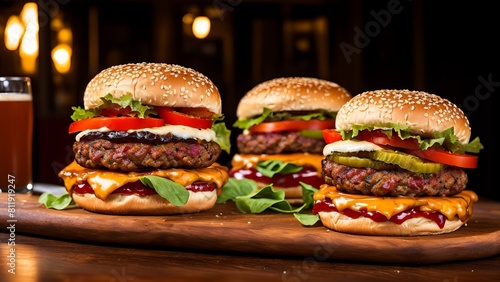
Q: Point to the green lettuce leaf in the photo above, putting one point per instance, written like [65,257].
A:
[307,219]
[268,115]
[262,199]
[249,122]
[249,199]
[305,216]
[271,167]
[236,187]
[136,108]
[445,138]
[79,114]
[269,198]
[222,136]
[61,202]
[474,146]
[173,192]
[316,134]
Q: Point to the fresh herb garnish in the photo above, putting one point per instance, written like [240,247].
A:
[271,167]
[173,192]
[249,199]
[61,202]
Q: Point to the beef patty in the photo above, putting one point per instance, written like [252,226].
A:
[398,182]
[278,143]
[141,151]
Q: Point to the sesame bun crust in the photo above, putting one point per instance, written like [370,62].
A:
[155,84]
[121,204]
[365,226]
[423,113]
[292,94]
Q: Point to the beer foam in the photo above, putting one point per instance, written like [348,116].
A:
[14,97]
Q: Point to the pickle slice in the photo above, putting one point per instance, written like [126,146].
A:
[360,162]
[386,159]
[406,161]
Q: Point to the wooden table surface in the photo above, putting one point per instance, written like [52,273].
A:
[44,259]
[75,245]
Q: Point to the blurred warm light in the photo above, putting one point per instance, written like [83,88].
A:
[29,15]
[57,23]
[303,45]
[212,12]
[187,18]
[28,64]
[22,32]
[28,51]
[65,35]
[61,56]
[201,27]
[14,30]
[29,44]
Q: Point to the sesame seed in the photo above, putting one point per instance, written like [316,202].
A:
[306,93]
[416,108]
[138,77]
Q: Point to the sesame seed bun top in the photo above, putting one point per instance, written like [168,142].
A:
[292,94]
[155,84]
[422,112]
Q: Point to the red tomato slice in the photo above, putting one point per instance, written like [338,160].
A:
[445,157]
[331,135]
[115,123]
[195,112]
[175,118]
[380,138]
[292,125]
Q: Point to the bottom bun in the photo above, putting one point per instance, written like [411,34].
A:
[366,226]
[144,205]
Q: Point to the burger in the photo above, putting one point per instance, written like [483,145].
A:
[147,142]
[281,123]
[396,166]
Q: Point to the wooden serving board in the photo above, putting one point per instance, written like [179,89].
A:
[224,229]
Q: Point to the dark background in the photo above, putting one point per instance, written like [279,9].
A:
[442,47]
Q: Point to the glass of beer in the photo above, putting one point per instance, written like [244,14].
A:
[16,140]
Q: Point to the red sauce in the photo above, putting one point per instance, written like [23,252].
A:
[399,218]
[140,189]
[308,175]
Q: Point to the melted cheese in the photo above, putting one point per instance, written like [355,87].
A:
[105,182]
[349,146]
[450,206]
[300,159]
[180,131]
